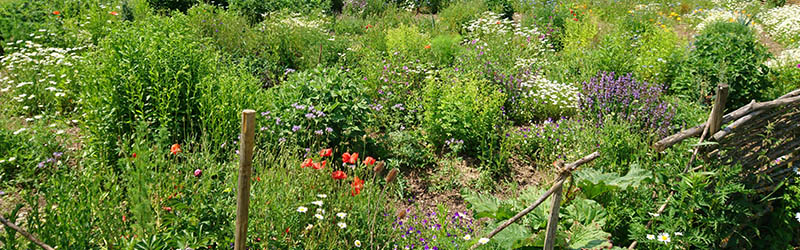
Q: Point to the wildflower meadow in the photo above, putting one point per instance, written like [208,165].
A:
[399,124]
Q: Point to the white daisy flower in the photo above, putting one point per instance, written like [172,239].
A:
[319,216]
[341,215]
[797,215]
[651,237]
[322,196]
[357,243]
[318,203]
[467,237]
[678,233]
[342,225]
[302,209]
[664,237]
[483,241]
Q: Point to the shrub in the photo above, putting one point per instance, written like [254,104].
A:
[463,107]
[628,99]
[406,40]
[257,10]
[456,16]
[322,106]
[444,48]
[151,78]
[725,52]
[657,56]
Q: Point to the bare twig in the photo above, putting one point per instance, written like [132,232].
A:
[25,233]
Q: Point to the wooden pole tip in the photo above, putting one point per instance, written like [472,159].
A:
[249,111]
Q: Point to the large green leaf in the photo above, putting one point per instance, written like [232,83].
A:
[594,183]
[483,205]
[511,237]
[585,211]
[588,237]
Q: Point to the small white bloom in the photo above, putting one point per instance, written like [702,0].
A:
[302,209]
[12,159]
[651,237]
[322,196]
[309,227]
[357,243]
[654,214]
[19,131]
[797,215]
[467,237]
[483,241]
[319,216]
[341,215]
[678,233]
[320,211]
[664,237]
[342,225]
[318,203]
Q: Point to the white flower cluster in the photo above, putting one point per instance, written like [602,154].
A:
[551,93]
[33,67]
[714,15]
[787,58]
[782,23]
[735,5]
[489,23]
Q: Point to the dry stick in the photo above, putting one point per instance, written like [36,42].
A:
[245,170]
[696,130]
[557,185]
[25,233]
[552,223]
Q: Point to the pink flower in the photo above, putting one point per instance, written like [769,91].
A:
[198,172]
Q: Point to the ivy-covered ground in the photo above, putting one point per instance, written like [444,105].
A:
[397,124]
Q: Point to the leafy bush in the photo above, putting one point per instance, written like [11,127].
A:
[657,56]
[257,10]
[172,5]
[456,16]
[626,98]
[322,106]
[154,78]
[444,48]
[465,108]
[406,40]
[725,52]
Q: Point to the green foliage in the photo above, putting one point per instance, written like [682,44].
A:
[464,108]
[29,154]
[172,5]
[444,48]
[406,40]
[594,183]
[456,16]
[151,78]
[257,10]
[657,56]
[323,106]
[725,52]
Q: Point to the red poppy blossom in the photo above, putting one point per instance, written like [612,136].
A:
[338,175]
[345,157]
[357,185]
[353,158]
[134,155]
[168,209]
[113,13]
[307,163]
[318,165]
[56,13]
[326,152]
[575,19]
[428,46]
[369,161]
[175,149]
[498,22]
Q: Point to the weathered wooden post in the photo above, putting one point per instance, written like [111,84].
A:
[552,223]
[715,120]
[245,171]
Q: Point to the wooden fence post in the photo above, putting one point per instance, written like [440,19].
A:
[715,121]
[552,223]
[245,171]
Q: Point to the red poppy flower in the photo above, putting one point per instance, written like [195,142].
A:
[345,157]
[427,46]
[56,13]
[498,22]
[134,155]
[317,165]
[353,158]
[369,161]
[326,152]
[575,19]
[355,192]
[357,183]
[307,163]
[338,175]
[175,149]
[124,219]
[168,209]
[113,13]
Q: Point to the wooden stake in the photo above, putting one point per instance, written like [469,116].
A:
[715,120]
[552,223]
[245,171]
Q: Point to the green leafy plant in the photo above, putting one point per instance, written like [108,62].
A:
[725,52]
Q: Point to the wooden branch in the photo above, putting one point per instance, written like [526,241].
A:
[744,110]
[552,222]
[565,172]
[27,235]
[715,119]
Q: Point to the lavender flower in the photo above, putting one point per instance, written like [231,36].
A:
[295,128]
